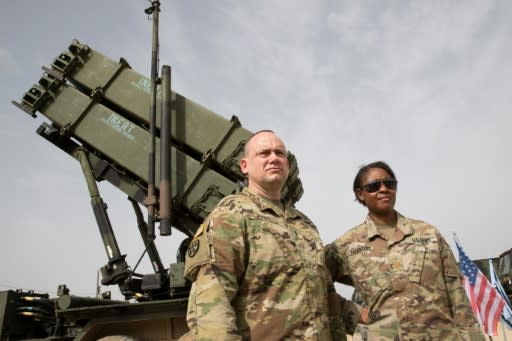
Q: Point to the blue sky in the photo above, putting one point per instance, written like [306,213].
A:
[422,85]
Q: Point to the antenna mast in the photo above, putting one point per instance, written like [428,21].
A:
[150,200]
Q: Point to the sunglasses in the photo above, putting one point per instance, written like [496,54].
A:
[374,186]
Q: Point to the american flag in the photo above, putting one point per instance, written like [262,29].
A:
[486,302]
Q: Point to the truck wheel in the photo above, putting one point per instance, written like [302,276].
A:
[118,338]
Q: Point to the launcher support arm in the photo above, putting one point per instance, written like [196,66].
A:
[117,269]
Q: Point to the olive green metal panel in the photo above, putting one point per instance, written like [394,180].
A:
[125,144]
[200,132]
[193,125]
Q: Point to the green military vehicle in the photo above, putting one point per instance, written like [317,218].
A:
[129,129]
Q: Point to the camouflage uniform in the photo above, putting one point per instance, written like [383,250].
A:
[411,282]
[258,274]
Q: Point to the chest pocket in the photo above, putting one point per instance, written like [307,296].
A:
[430,273]
[421,258]
[375,275]
[273,246]
[417,263]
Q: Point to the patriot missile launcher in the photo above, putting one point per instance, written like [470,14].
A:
[97,110]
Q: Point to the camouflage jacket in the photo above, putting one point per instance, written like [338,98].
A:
[411,282]
[258,273]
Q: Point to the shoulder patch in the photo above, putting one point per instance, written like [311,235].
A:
[193,247]
[198,253]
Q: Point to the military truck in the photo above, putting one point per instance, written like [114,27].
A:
[129,130]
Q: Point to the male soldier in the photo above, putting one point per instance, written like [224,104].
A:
[257,264]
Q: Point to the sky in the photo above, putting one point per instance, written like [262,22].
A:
[422,85]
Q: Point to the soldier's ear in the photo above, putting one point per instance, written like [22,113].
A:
[359,193]
[244,166]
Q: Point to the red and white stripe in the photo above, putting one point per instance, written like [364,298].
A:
[487,302]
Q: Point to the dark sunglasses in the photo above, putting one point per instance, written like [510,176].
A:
[374,186]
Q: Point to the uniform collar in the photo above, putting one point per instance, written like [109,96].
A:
[402,224]
[265,204]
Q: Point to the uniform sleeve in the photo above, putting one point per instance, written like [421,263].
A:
[347,311]
[351,314]
[459,303]
[335,264]
[336,322]
[215,269]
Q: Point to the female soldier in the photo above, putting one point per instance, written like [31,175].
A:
[403,268]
